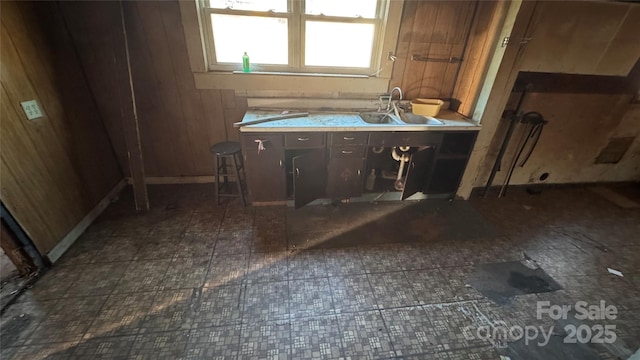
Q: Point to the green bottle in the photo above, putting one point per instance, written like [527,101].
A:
[245,63]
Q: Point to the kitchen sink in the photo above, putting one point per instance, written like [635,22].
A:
[378,118]
[410,118]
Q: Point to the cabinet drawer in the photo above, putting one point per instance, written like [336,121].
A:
[304,140]
[349,138]
[250,141]
[405,138]
[347,152]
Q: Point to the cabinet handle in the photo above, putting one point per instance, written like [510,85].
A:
[297,173]
[358,172]
[303,139]
[280,163]
[347,138]
[347,152]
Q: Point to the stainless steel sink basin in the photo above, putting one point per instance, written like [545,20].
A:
[410,118]
[378,118]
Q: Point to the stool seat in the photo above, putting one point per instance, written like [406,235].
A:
[225,148]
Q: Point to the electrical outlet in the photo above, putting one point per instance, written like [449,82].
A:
[31,109]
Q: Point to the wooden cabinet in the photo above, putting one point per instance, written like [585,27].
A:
[308,166]
[265,167]
[450,162]
[583,37]
[308,176]
[345,177]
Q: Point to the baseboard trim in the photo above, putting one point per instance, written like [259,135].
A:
[165,180]
[54,254]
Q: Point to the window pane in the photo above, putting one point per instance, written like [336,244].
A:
[338,44]
[265,39]
[349,8]
[255,5]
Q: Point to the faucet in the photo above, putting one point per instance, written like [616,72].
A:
[391,96]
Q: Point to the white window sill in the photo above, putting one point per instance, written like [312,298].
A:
[300,74]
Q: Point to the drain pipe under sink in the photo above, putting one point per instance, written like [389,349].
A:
[402,158]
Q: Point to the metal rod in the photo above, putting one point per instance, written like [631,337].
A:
[505,141]
[452,59]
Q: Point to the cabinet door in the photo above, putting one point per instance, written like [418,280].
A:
[265,168]
[418,171]
[308,177]
[447,174]
[344,178]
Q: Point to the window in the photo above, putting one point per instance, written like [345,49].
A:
[295,36]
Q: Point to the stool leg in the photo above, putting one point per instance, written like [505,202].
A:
[225,173]
[238,180]
[217,175]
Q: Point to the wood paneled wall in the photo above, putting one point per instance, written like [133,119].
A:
[483,39]
[55,169]
[178,123]
[434,29]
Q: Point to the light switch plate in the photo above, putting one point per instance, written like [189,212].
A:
[31,109]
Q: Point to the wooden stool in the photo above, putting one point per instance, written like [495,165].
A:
[222,151]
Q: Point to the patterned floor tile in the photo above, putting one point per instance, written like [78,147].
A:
[220,342]
[57,351]
[344,261]
[265,301]
[84,250]
[307,264]
[237,219]
[407,329]
[316,338]
[415,257]
[268,340]
[171,310]
[121,315]
[142,276]
[311,297]
[56,282]
[352,293]
[195,245]
[205,222]
[364,336]
[98,279]
[68,320]
[161,346]
[269,237]
[104,348]
[118,249]
[449,325]
[226,269]
[185,273]
[429,286]
[457,278]
[266,267]
[159,247]
[392,290]
[447,254]
[235,241]
[480,353]
[218,306]
[20,320]
[380,258]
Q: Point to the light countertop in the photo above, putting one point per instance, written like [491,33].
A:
[347,121]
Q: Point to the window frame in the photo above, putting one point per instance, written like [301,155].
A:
[296,21]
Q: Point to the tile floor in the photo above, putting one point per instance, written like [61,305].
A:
[195,281]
